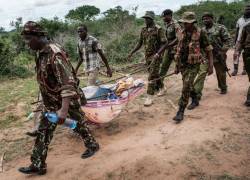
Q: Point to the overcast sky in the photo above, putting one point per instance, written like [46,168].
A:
[34,9]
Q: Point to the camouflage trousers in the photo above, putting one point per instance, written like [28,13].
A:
[166,62]
[153,67]
[246,60]
[189,72]
[200,81]
[221,74]
[45,135]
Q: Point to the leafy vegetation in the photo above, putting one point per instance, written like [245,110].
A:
[116,28]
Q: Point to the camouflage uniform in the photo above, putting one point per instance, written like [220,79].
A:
[152,38]
[220,39]
[57,80]
[189,53]
[172,29]
[200,80]
[244,44]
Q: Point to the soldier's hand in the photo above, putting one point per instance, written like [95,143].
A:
[109,72]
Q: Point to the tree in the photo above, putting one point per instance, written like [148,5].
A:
[53,26]
[17,24]
[2,29]
[83,13]
[119,18]
[230,11]
[16,35]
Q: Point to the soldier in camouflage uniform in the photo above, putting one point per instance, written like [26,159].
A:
[172,28]
[60,92]
[153,38]
[220,39]
[244,44]
[192,44]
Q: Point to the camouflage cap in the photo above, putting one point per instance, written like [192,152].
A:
[33,28]
[188,17]
[149,14]
[208,14]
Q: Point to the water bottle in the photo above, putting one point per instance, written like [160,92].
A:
[52,117]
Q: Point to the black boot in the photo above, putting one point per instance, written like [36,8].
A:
[223,91]
[247,103]
[90,151]
[234,73]
[194,104]
[32,134]
[179,115]
[33,170]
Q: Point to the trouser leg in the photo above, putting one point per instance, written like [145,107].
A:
[154,82]
[188,76]
[92,77]
[166,62]
[200,80]
[82,128]
[221,75]
[43,139]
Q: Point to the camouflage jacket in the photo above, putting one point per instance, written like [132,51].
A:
[245,38]
[172,31]
[152,39]
[55,76]
[191,47]
[220,39]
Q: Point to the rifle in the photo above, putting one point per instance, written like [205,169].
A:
[221,57]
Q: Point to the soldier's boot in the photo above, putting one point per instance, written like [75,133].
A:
[149,100]
[179,115]
[244,71]
[90,151]
[194,103]
[223,91]
[247,103]
[33,170]
[234,73]
[32,134]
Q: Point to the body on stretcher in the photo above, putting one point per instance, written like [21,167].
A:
[104,103]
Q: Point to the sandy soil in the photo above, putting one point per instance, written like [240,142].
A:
[213,142]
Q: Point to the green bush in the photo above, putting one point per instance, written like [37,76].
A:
[70,47]
[7,59]
[230,11]
[118,49]
[24,59]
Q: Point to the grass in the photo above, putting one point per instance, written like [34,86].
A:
[17,148]
[17,90]
[8,121]
[12,93]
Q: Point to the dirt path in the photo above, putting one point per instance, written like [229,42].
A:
[213,142]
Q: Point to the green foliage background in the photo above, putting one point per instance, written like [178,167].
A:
[117,29]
